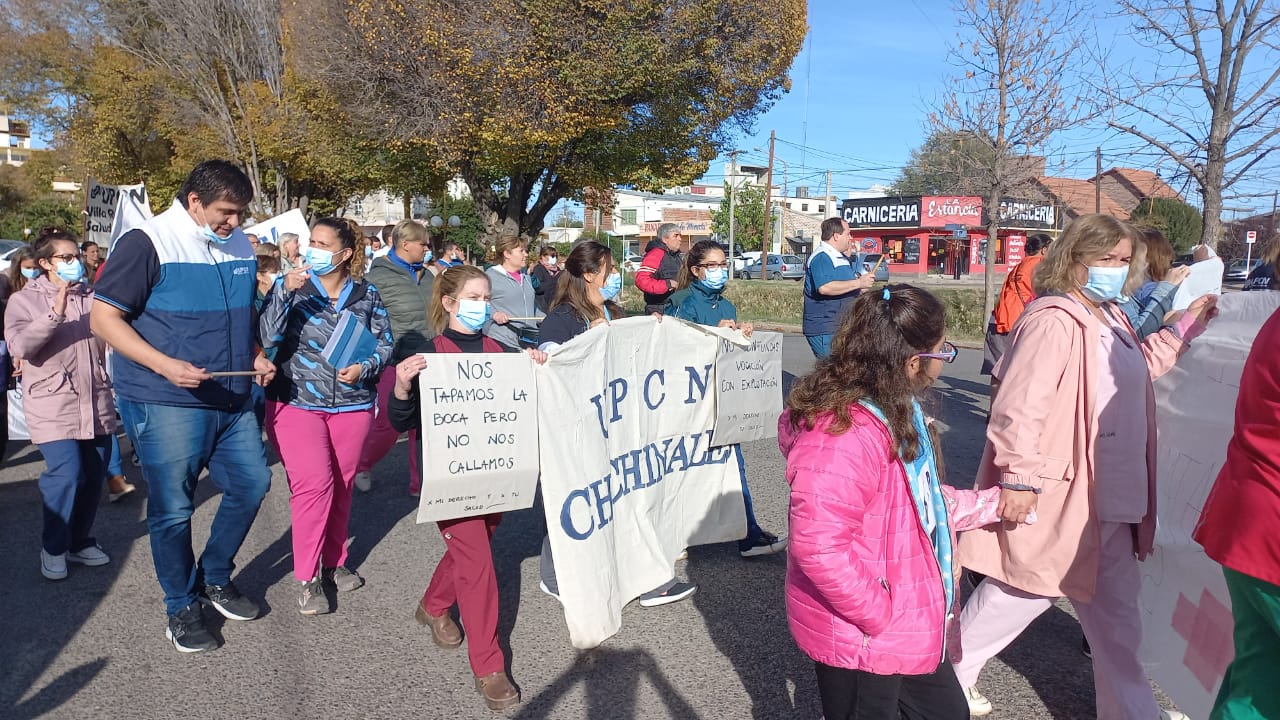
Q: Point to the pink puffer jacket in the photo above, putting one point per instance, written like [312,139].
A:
[851,512]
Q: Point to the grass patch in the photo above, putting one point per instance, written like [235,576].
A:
[781,302]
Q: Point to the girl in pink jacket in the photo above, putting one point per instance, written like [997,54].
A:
[67,399]
[871,583]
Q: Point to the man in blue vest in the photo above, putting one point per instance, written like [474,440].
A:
[830,284]
[176,303]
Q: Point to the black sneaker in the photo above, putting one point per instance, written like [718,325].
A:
[227,600]
[766,544]
[677,592]
[187,632]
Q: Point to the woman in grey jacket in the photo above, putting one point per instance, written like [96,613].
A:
[513,295]
[334,339]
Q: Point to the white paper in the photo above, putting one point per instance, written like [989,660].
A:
[629,479]
[1205,279]
[1186,639]
[269,231]
[479,434]
[749,389]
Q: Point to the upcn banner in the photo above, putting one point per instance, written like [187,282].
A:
[630,473]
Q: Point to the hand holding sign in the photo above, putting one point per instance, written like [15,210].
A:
[407,373]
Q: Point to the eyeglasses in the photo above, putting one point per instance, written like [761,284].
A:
[948,354]
[66,258]
[714,266]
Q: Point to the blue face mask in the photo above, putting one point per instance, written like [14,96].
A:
[612,286]
[1105,283]
[473,314]
[715,278]
[71,271]
[321,261]
[212,236]
[31,273]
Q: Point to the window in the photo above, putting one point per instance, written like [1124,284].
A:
[822,209]
[804,207]
[357,206]
[628,217]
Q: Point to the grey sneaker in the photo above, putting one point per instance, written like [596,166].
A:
[187,631]
[342,578]
[91,556]
[228,601]
[675,593]
[312,601]
[364,481]
[53,567]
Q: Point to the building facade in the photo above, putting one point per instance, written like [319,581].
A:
[15,140]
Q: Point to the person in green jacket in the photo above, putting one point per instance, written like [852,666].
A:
[404,282]
[699,299]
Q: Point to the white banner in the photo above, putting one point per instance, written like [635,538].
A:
[479,435]
[629,477]
[1186,643]
[104,219]
[749,389]
[269,231]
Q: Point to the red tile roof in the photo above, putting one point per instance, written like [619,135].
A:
[1077,197]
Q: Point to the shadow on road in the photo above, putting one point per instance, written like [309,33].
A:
[612,681]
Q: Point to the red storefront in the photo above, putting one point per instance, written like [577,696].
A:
[943,234]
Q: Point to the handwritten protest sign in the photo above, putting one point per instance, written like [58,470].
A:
[113,210]
[630,478]
[748,389]
[1186,611]
[479,435]
[1205,279]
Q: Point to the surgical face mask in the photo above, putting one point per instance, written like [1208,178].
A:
[715,278]
[612,287]
[1105,283]
[321,261]
[212,236]
[368,251]
[70,271]
[273,277]
[31,273]
[552,260]
[473,314]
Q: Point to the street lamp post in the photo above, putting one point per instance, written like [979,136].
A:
[438,223]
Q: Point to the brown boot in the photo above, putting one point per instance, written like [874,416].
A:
[118,487]
[444,631]
[498,692]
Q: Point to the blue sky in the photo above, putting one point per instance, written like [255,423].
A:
[865,80]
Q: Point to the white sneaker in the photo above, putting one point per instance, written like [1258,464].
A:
[91,556]
[364,481]
[979,705]
[53,567]
[1172,715]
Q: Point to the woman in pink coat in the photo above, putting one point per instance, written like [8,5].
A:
[66,397]
[1072,437]
[870,584]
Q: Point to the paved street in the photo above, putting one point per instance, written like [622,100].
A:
[93,646]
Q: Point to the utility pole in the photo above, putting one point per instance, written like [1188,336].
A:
[768,204]
[733,192]
[1097,183]
[1275,194]
[827,204]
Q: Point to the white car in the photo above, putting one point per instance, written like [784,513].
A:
[631,262]
[7,249]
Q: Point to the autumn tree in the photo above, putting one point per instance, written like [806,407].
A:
[946,164]
[1211,103]
[1180,223]
[531,102]
[1013,91]
[748,218]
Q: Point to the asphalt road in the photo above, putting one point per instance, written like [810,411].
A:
[93,646]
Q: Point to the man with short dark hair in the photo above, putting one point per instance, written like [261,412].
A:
[176,303]
[660,267]
[830,285]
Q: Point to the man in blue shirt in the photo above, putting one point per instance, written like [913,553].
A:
[830,284]
[176,303]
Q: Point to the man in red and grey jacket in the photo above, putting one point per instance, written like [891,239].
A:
[657,275]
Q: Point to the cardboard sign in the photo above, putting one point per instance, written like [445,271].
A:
[748,389]
[479,435]
[113,210]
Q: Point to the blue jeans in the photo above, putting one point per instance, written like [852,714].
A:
[71,486]
[754,532]
[174,444]
[820,344]
[113,463]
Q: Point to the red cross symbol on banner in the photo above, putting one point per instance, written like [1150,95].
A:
[1207,630]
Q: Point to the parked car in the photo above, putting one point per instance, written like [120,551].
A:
[778,267]
[631,262]
[7,249]
[1238,270]
[740,262]
[869,261]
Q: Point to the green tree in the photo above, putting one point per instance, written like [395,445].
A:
[533,102]
[748,218]
[1180,223]
[945,165]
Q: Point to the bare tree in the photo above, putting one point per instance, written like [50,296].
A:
[1210,103]
[1014,92]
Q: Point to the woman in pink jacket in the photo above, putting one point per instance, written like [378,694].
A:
[67,399]
[870,584]
[1072,437]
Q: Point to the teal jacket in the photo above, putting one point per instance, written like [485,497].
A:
[700,304]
